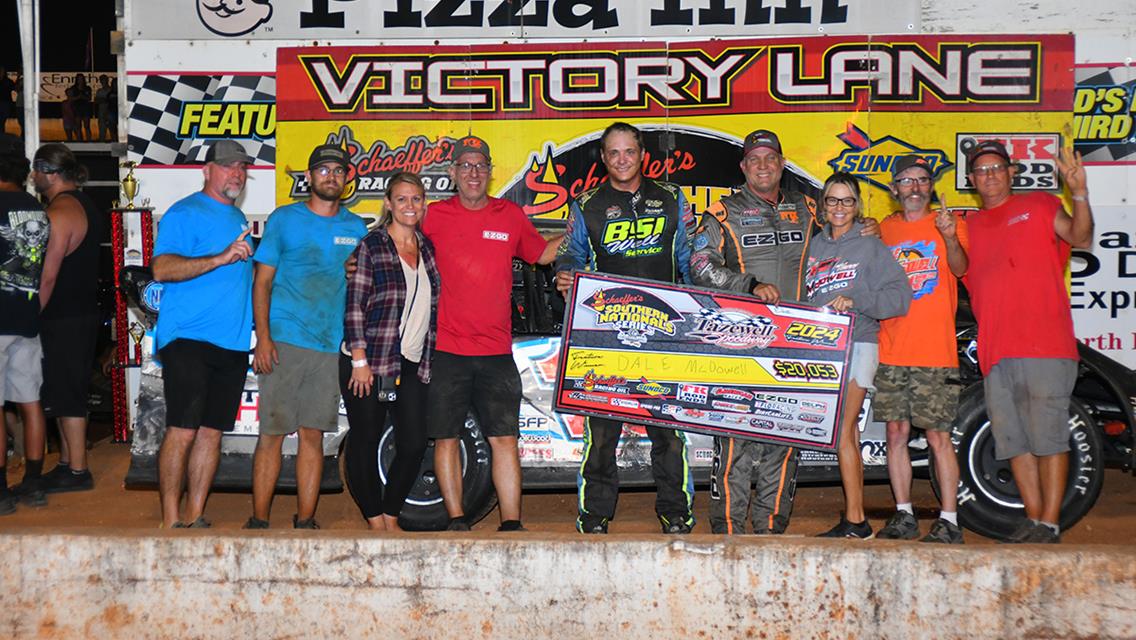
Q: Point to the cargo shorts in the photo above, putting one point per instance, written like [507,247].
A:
[920,395]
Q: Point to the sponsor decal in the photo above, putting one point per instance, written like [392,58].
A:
[696,393]
[759,423]
[828,275]
[501,236]
[652,388]
[733,329]
[729,406]
[812,405]
[796,370]
[753,222]
[816,432]
[732,394]
[790,427]
[613,212]
[919,261]
[609,384]
[781,400]
[814,334]
[151,297]
[672,409]
[213,119]
[773,413]
[634,238]
[870,160]
[346,241]
[635,314]
[1103,113]
[587,397]
[372,166]
[1035,155]
[774,238]
[814,418]
[626,403]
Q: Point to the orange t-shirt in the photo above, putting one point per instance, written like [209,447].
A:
[925,337]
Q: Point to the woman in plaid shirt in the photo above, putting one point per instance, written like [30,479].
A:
[389,328]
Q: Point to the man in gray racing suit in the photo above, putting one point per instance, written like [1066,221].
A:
[754,241]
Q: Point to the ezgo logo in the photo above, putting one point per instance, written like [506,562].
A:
[1034,153]
[870,160]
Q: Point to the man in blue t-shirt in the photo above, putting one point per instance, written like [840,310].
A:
[204,328]
[299,296]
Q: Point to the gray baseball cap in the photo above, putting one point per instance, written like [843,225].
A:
[227,152]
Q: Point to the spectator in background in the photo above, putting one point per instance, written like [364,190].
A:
[79,95]
[7,100]
[106,105]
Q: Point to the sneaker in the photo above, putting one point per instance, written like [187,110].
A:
[8,502]
[900,526]
[942,531]
[845,529]
[255,523]
[592,526]
[458,524]
[199,523]
[309,523]
[512,525]
[1042,534]
[1025,528]
[678,526]
[68,480]
[31,492]
[60,469]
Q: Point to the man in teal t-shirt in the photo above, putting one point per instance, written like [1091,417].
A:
[299,295]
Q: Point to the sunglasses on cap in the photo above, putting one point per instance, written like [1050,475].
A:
[43,166]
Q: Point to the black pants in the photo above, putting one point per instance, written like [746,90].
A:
[599,474]
[367,418]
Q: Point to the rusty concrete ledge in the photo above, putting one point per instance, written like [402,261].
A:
[287,585]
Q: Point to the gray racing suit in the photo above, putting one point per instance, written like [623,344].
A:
[745,240]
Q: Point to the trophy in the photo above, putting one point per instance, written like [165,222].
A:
[130,183]
[137,332]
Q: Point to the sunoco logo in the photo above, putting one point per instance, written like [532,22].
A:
[871,160]
[634,313]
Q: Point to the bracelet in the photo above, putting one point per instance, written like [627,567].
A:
[358,364]
[1084,198]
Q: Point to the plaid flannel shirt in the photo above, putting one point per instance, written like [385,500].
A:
[376,295]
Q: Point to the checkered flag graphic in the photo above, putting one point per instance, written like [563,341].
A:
[155,112]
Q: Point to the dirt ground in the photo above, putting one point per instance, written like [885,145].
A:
[109,505]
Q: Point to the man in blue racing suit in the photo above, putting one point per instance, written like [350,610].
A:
[633,226]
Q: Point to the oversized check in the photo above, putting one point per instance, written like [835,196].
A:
[701,360]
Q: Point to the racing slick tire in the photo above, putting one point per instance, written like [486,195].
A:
[424,509]
[989,502]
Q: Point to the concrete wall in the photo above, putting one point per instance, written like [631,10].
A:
[287,585]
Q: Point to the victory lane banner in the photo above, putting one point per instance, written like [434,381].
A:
[700,360]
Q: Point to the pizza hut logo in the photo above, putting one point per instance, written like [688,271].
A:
[233,17]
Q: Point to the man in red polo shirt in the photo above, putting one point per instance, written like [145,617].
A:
[476,238]
[1019,248]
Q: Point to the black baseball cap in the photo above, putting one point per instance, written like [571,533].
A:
[985,147]
[903,163]
[761,138]
[227,152]
[471,144]
[329,153]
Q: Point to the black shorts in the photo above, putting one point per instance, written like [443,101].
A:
[203,384]
[68,358]
[490,385]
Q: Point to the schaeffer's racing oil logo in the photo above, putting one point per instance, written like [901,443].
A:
[634,313]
